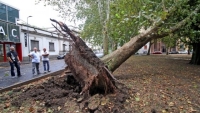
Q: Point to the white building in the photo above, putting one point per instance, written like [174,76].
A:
[144,49]
[54,42]
[14,34]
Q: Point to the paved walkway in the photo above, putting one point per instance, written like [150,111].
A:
[26,71]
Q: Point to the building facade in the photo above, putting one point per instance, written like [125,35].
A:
[9,31]
[24,37]
[144,49]
[35,37]
[158,45]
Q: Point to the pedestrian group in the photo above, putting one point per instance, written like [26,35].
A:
[36,57]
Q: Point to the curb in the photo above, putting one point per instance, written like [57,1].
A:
[30,81]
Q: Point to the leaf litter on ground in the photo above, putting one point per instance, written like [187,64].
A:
[156,83]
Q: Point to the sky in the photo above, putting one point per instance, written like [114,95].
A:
[40,14]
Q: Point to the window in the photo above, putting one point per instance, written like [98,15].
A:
[13,33]
[64,47]
[1,53]
[3,30]
[12,14]
[51,46]
[145,47]
[3,12]
[34,43]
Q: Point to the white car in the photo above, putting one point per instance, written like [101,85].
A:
[99,54]
[183,52]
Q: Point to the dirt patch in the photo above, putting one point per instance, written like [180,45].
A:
[61,94]
[161,84]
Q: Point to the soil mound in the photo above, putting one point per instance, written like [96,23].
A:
[62,94]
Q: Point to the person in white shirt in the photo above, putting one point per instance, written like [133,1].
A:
[45,60]
[35,55]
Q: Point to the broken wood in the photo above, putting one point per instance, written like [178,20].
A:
[91,73]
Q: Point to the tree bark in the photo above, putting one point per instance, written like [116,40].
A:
[105,25]
[196,54]
[114,45]
[106,37]
[150,44]
[167,50]
[123,53]
[105,40]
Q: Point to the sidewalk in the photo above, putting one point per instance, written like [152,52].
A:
[26,71]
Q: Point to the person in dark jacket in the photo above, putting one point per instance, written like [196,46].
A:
[13,59]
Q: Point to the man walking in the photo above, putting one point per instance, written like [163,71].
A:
[13,59]
[45,59]
[35,55]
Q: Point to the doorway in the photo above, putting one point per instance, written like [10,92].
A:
[5,48]
[1,53]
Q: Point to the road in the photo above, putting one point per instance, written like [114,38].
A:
[26,71]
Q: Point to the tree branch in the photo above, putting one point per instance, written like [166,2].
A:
[178,25]
[149,18]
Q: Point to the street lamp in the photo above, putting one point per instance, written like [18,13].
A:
[28,36]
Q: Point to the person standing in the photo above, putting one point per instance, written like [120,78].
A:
[35,55]
[45,60]
[13,59]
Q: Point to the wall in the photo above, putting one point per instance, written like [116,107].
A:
[44,37]
[144,49]
[158,45]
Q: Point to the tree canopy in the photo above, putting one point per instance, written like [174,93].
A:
[126,17]
[116,22]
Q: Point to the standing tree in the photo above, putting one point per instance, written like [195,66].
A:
[150,44]
[190,34]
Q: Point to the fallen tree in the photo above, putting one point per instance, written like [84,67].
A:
[116,58]
[89,71]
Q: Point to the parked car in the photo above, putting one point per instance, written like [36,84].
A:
[183,52]
[173,52]
[136,53]
[157,52]
[61,56]
[99,54]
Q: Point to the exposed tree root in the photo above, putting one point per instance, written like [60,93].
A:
[91,73]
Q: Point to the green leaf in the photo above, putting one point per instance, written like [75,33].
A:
[137,99]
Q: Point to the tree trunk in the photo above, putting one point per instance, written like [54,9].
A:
[114,45]
[105,41]
[116,58]
[189,49]
[88,70]
[106,37]
[167,50]
[123,53]
[105,25]
[196,54]
[150,44]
